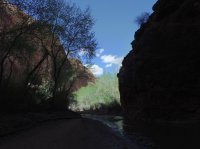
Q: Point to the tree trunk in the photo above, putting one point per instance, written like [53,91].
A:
[31,73]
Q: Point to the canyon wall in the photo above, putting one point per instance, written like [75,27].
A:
[160,76]
[25,59]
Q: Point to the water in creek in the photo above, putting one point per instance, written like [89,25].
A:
[176,135]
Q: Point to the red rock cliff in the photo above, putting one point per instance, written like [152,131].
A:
[12,19]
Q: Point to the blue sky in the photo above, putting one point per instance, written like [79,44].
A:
[114,29]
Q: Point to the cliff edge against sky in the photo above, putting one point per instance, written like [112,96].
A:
[159,78]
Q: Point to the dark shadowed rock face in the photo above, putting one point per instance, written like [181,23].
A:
[160,77]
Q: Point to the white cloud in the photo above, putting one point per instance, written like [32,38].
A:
[96,70]
[109,65]
[98,55]
[112,59]
[100,51]
[81,53]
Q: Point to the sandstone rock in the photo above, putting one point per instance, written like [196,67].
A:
[24,60]
[159,78]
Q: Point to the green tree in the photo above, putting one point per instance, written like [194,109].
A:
[69,29]
[63,30]
[103,93]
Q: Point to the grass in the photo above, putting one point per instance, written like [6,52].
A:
[102,94]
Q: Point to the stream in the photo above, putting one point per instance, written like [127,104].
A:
[162,135]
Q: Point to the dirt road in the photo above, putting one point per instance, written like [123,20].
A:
[67,134]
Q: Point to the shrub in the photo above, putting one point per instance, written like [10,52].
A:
[103,93]
[143,18]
